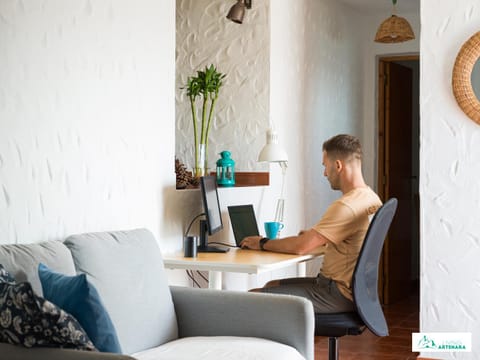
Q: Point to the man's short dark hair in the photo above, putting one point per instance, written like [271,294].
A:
[342,147]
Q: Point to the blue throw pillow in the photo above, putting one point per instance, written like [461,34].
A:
[78,297]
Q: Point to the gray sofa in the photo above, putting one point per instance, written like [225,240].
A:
[155,321]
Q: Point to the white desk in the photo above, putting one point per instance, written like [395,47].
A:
[236,260]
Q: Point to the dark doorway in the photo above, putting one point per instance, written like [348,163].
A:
[398,172]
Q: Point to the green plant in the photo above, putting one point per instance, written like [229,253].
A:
[206,86]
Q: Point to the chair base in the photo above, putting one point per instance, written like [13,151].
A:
[332,348]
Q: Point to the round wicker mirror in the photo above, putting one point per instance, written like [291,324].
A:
[462,78]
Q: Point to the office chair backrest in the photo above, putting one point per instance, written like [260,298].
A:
[365,275]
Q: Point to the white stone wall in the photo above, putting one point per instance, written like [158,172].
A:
[333,96]
[449,186]
[340,87]
[205,36]
[86,117]
[371,52]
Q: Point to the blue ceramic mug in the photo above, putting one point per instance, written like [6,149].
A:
[272,228]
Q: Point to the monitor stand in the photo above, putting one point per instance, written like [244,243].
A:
[203,246]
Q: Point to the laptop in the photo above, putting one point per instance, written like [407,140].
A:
[244,222]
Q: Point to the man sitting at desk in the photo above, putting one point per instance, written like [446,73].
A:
[340,232]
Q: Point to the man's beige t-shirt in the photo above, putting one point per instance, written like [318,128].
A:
[345,224]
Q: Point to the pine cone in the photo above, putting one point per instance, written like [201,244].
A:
[195,181]
[184,177]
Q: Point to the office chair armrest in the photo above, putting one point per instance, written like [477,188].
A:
[282,318]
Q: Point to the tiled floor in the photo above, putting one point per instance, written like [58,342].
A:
[402,319]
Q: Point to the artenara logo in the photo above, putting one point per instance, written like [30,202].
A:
[442,342]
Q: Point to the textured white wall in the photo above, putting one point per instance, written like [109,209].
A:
[332,96]
[340,87]
[371,51]
[286,103]
[205,36]
[86,117]
[449,186]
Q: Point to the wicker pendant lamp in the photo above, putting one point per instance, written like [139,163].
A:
[395,29]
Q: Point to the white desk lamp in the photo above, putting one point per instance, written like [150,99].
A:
[272,152]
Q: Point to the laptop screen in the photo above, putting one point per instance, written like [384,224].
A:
[243,222]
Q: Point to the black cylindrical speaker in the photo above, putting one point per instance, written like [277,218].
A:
[190,246]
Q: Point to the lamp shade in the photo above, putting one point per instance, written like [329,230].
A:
[395,29]
[272,151]
[237,12]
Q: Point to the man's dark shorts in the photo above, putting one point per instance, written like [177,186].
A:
[322,292]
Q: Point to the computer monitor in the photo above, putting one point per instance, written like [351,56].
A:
[213,214]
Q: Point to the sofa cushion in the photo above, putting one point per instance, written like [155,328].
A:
[221,347]
[31,321]
[78,297]
[126,267]
[22,260]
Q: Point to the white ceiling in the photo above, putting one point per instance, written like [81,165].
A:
[402,6]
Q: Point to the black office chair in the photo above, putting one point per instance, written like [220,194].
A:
[364,287]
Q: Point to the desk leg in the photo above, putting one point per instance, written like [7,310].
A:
[215,280]
[302,269]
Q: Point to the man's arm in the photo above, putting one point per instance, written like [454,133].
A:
[304,243]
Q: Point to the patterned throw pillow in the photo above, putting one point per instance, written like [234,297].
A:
[31,321]
[5,276]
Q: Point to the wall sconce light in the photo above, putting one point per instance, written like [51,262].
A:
[237,11]
[273,152]
[395,29]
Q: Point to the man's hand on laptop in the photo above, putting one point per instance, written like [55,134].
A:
[251,242]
